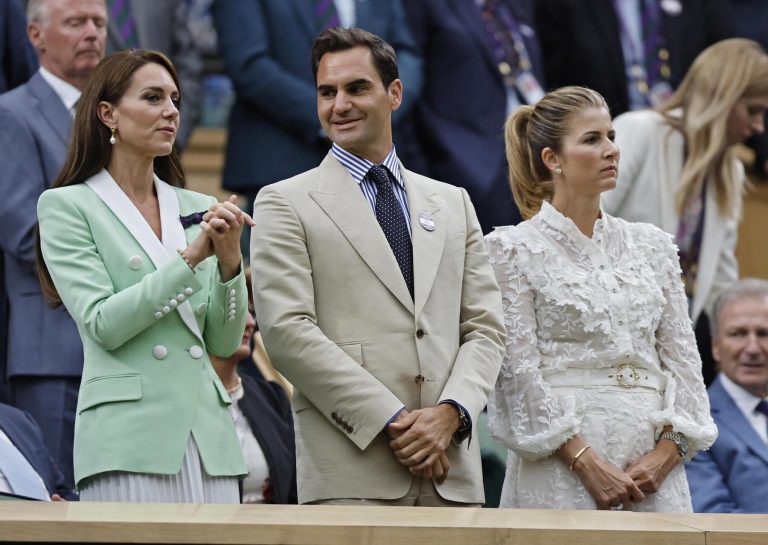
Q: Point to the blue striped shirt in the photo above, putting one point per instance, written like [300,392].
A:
[358,169]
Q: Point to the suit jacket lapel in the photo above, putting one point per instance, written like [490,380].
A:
[427,245]
[342,200]
[728,415]
[51,107]
[110,193]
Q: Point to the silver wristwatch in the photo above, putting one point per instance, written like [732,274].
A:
[678,439]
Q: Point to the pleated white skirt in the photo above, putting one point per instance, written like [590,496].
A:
[190,485]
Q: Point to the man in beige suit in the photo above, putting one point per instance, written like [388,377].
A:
[376,300]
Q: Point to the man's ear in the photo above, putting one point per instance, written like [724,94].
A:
[36,36]
[106,113]
[716,352]
[395,93]
[550,159]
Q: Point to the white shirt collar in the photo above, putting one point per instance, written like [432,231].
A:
[745,401]
[68,93]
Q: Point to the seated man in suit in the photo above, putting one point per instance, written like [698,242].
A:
[26,467]
[376,300]
[730,477]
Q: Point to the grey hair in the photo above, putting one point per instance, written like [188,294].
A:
[746,288]
[37,11]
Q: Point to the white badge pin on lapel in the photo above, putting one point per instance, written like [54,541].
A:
[427,221]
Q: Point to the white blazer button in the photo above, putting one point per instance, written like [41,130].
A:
[232,314]
[181,298]
[166,309]
[135,262]
[158,315]
[232,306]
[160,352]
[173,302]
[188,291]
[232,300]
[232,292]
[196,352]
[201,309]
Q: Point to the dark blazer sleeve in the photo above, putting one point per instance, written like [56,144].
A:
[409,62]
[268,411]
[249,53]
[17,57]
[25,434]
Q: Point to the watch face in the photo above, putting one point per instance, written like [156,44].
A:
[683,444]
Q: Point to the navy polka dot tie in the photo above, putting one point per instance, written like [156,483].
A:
[762,407]
[392,221]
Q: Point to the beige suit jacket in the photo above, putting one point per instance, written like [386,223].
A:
[338,322]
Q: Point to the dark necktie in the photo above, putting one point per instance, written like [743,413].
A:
[392,221]
[326,14]
[762,407]
[120,11]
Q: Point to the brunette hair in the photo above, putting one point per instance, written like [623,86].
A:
[337,39]
[89,147]
[532,128]
[721,75]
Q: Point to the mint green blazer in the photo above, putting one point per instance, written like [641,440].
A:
[147,322]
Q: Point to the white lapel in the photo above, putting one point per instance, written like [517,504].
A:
[174,240]
[172,231]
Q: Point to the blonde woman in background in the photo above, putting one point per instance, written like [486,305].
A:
[600,395]
[679,171]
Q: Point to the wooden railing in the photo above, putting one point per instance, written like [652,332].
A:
[25,522]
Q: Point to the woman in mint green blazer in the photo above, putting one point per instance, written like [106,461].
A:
[152,275]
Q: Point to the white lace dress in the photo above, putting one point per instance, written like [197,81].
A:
[586,318]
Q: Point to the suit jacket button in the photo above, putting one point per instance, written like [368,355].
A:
[160,352]
[419,333]
[196,352]
[335,416]
[201,309]
[419,379]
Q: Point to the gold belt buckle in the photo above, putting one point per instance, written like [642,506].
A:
[627,375]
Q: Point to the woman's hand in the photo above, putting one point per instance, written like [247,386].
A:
[223,224]
[650,470]
[608,485]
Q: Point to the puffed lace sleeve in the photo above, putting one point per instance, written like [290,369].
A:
[523,412]
[686,404]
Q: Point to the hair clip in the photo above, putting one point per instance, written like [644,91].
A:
[192,219]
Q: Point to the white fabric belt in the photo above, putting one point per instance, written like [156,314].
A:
[624,375]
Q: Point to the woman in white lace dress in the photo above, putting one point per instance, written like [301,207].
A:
[600,397]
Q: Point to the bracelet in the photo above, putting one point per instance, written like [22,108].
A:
[186,260]
[573,462]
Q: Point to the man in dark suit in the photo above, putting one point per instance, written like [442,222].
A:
[274,132]
[17,63]
[44,356]
[19,431]
[730,477]
[473,80]
[581,41]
